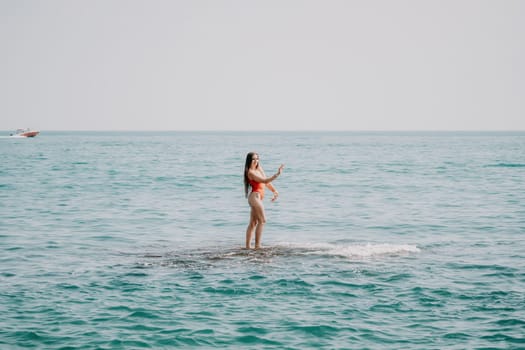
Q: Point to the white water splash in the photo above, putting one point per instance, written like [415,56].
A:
[355,250]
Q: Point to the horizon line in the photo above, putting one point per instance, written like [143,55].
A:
[281,130]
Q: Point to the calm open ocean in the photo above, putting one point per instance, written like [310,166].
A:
[130,240]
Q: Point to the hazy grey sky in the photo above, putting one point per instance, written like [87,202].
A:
[262,65]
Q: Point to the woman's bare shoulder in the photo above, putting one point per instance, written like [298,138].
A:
[254,173]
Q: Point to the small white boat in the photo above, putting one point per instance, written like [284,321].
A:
[25,133]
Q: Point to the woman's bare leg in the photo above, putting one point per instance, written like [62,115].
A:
[258,234]
[250,229]
[257,221]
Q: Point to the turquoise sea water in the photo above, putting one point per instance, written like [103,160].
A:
[378,240]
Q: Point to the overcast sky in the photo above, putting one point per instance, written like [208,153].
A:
[262,65]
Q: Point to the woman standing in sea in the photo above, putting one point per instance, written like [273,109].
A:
[254,176]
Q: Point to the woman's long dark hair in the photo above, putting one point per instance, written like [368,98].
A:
[247,165]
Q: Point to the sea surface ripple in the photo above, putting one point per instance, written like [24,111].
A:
[133,240]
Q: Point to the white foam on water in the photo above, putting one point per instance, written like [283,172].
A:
[355,250]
